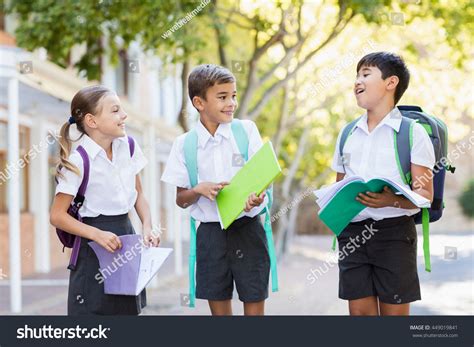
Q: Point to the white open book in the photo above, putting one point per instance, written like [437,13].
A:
[338,204]
[325,194]
[127,271]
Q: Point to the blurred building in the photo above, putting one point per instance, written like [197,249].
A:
[151,95]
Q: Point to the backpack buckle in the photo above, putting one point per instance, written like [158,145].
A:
[79,200]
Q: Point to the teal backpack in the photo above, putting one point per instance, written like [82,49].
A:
[190,155]
[403,141]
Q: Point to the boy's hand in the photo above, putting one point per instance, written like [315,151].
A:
[209,189]
[254,201]
[110,241]
[377,200]
[151,238]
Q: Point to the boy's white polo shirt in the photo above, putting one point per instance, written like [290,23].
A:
[112,184]
[215,164]
[371,155]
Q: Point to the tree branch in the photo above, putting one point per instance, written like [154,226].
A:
[276,37]
[289,54]
[252,114]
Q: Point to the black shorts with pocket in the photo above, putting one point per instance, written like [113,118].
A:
[238,254]
[378,258]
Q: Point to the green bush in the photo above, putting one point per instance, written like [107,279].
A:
[466,199]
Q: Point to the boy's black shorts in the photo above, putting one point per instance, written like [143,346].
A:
[383,264]
[238,254]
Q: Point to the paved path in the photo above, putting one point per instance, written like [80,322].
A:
[447,290]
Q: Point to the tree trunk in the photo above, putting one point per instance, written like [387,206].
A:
[282,121]
[183,112]
[291,226]
[220,35]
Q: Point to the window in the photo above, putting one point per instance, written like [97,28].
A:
[6,171]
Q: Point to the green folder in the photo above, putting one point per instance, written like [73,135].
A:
[254,177]
[343,206]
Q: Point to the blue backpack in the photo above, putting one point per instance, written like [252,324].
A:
[190,155]
[403,141]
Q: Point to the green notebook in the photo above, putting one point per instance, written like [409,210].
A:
[254,177]
[339,205]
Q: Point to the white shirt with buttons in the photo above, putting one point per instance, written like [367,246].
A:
[217,161]
[372,154]
[112,187]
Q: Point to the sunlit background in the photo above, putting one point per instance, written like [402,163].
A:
[295,65]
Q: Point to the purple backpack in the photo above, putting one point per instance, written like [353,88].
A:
[69,240]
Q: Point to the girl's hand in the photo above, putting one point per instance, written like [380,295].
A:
[254,201]
[151,238]
[209,189]
[377,200]
[110,241]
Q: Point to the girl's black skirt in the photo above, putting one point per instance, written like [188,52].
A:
[86,293]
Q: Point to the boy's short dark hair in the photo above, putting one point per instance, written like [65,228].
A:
[205,76]
[389,64]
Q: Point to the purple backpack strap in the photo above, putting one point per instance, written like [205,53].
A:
[131,145]
[78,201]
[85,180]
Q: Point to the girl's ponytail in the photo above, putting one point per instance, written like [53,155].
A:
[86,101]
[65,144]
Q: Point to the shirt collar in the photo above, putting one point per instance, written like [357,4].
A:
[223,130]
[93,149]
[393,119]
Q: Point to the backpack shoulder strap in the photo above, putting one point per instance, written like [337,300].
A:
[190,148]
[403,142]
[190,159]
[346,132]
[131,145]
[190,156]
[241,138]
[79,199]
[403,145]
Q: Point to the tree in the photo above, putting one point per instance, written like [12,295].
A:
[283,27]
[466,200]
[58,26]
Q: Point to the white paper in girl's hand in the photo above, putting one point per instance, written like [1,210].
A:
[127,271]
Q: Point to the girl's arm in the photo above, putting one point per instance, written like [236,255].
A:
[143,211]
[62,220]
